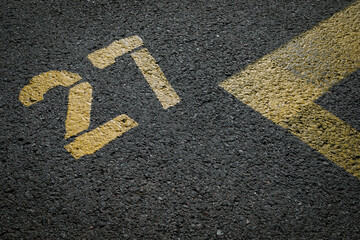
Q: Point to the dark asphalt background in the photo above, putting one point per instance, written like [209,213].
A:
[208,168]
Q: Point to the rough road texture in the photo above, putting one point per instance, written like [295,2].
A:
[209,167]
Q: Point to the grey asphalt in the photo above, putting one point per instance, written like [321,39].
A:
[208,168]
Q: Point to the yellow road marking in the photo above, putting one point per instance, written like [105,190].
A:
[283,85]
[40,84]
[327,134]
[271,90]
[327,53]
[147,64]
[79,107]
[156,78]
[88,143]
[80,96]
[106,56]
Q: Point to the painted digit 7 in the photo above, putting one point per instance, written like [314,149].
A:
[80,95]
[146,63]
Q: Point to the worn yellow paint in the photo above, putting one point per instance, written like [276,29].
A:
[40,84]
[88,143]
[79,107]
[283,85]
[147,64]
[156,78]
[327,134]
[328,52]
[106,56]
[273,91]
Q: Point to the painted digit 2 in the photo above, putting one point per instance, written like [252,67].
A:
[80,95]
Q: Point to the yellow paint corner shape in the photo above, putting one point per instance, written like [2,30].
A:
[90,142]
[40,84]
[284,84]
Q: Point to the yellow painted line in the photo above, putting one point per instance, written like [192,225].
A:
[79,108]
[283,85]
[88,143]
[40,84]
[329,135]
[327,53]
[106,56]
[156,78]
[271,90]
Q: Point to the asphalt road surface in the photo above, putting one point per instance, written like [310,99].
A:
[203,165]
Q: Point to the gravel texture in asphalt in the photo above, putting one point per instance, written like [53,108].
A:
[209,167]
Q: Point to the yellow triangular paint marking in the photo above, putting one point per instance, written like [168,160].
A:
[283,86]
